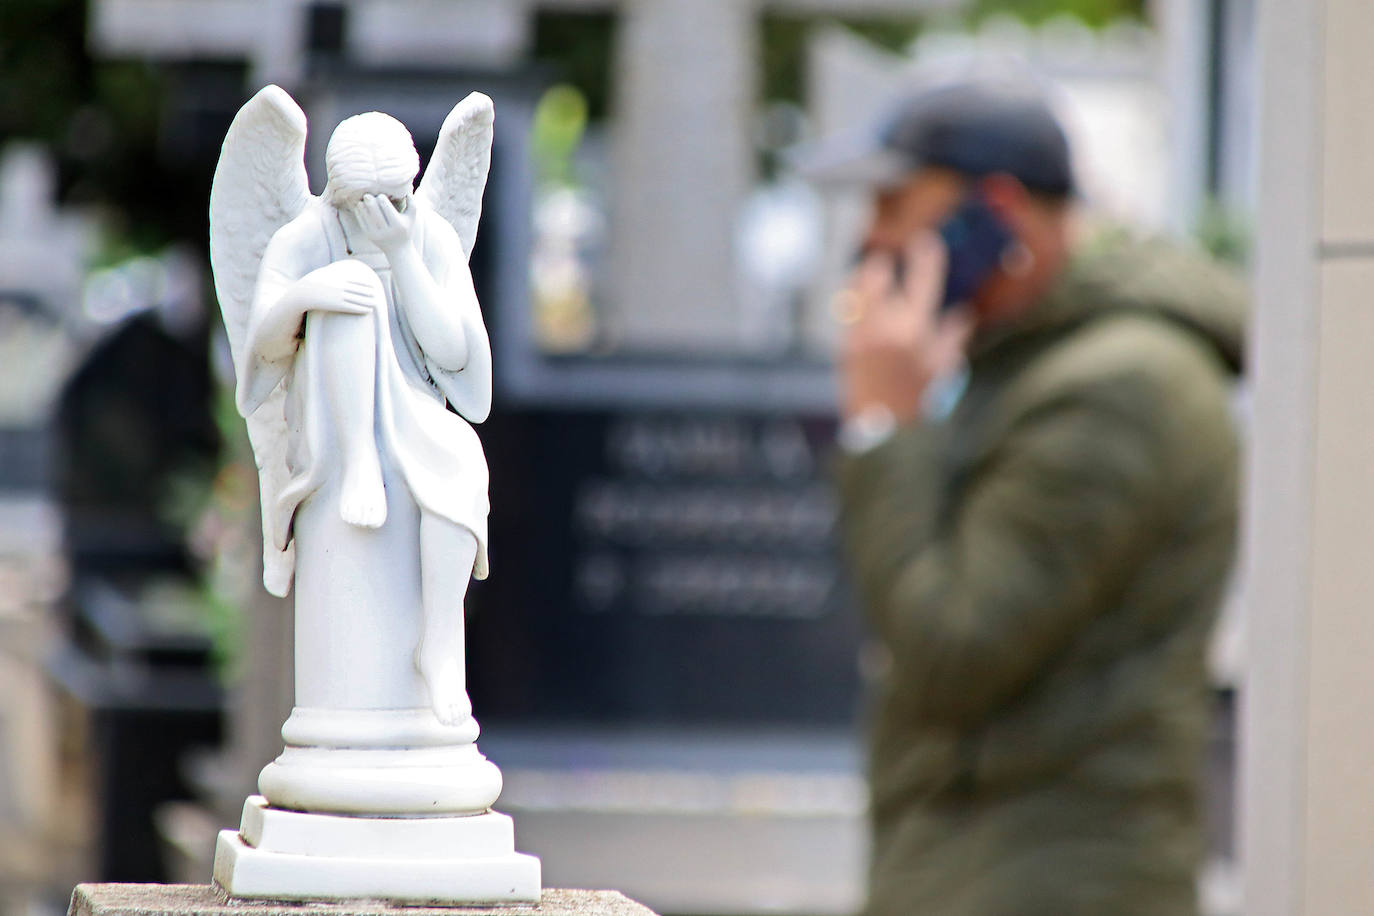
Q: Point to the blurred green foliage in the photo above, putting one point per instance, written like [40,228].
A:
[40,76]
[1095,13]
[579,49]
[783,38]
[560,122]
[1225,233]
[229,523]
[783,44]
[51,90]
[99,118]
[102,117]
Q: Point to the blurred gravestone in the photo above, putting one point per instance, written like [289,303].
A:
[42,260]
[135,448]
[42,256]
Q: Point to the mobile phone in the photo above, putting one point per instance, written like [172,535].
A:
[977,241]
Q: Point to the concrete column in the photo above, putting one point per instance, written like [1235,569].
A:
[849,84]
[278,54]
[683,159]
[1308,743]
[1185,45]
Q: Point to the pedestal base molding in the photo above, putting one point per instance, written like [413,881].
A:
[291,855]
[382,781]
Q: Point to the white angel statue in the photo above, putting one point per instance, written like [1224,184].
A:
[362,359]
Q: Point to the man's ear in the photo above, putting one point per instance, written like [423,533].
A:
[1005,196]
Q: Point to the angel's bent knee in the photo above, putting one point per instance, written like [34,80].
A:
[349,340]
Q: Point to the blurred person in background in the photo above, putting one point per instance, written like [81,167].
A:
[1042,563]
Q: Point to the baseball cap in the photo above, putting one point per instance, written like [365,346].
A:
[971,127]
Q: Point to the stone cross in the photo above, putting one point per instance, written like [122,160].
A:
[42,249]
[43,253]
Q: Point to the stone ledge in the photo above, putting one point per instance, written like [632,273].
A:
[209,900]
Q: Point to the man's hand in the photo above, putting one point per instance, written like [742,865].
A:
[897,340]
[388,228]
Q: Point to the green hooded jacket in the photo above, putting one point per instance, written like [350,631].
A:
[1043,569]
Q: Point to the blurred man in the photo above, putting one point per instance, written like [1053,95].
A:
[1043,565]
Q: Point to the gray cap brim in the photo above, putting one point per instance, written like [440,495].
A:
[851,158]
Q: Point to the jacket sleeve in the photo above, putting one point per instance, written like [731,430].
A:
[974,604]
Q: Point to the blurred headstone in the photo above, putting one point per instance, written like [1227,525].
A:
[43,254]
[134,447]
[278,37]
[685,106]
[44,250]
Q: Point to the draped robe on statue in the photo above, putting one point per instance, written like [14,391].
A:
[432,461]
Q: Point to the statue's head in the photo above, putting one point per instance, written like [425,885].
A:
[370,153]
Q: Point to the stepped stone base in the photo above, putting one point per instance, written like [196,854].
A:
[292,855]
[209,900]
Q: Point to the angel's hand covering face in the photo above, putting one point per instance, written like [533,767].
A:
[383,223]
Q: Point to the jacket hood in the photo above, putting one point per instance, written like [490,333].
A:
[1117,272]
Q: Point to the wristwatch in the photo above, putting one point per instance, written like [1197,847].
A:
[866,430]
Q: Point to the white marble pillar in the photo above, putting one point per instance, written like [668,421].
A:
[363,738]
[1185,44]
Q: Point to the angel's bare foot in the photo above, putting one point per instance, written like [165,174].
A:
[443,675]
[362,498]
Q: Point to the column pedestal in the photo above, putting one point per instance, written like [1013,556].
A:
[376,804]
[373,798]
[292,855]
[380,762]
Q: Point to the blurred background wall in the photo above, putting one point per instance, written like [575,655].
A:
[1307,805]
[665,660]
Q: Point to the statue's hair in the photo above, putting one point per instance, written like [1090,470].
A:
[370,152]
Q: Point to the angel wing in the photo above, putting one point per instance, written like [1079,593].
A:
[457,173]
[260,185]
